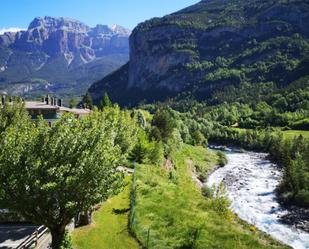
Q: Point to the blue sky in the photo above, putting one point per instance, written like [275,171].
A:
[128,13]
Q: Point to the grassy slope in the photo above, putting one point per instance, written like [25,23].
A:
[294,133]
[287,134]
[110,230]
[170,210]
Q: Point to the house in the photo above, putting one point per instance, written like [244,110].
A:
[50,108]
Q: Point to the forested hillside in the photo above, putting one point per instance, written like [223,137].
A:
[232,72]
[215,48]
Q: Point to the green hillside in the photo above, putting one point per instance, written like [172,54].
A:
[214,46]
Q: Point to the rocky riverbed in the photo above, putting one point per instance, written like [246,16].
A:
[251,180]
[297,217]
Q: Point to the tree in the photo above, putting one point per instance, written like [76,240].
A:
[73,103]
[50,174]
[141,120]
[11,115]
[140,150]
[87,100]
[105,102]
[222,159]
[156,155]
[164,124]
[198,138]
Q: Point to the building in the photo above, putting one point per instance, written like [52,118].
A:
[50,108]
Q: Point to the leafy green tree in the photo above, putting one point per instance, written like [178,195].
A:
[87,100]
[12,115]
[198,138]
[50,174]
[222,159]
[141,119]
[164,124]
[73,103]
[174,143]
[156,155]
[105,102]
[139,152]
[155,133]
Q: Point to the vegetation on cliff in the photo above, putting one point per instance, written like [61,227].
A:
[214,46]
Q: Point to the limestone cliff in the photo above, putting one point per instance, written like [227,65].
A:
[211,45]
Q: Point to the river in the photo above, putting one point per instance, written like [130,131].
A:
[251,179]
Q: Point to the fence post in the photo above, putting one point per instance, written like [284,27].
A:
[132,214]
[36,237]
[148,237]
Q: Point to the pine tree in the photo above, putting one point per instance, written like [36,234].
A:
[87,100]
[73,103]
[105,102]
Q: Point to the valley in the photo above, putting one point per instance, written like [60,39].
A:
[189,132]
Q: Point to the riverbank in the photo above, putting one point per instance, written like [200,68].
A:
[170,211]
[290,152]
[297,216]
[251,180]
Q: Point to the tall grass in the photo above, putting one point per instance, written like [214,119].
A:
[170,211]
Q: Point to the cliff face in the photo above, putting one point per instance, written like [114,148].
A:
[210,45]
[61,52]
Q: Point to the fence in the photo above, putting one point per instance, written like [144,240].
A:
[33,238]
[132,204]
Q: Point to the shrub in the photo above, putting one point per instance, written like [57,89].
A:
[164,123]
[208,192]
[220,204]
[302,198]
[67,242]
[156,155]
[198,138]
[222,159]
[301,125]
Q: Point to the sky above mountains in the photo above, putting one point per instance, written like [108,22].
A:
[127,13]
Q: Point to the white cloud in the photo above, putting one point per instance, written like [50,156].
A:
[13,29]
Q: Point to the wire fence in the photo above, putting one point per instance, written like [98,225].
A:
[133,198]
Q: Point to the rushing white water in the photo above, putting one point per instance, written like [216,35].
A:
[250,180]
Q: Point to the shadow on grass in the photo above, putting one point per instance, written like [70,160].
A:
[121,211]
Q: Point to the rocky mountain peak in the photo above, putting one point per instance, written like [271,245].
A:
[62,23]
[62,50]
[120,30]
[101,29]
[64,35]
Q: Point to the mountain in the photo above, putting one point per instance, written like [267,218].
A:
[60,55]
[211,46]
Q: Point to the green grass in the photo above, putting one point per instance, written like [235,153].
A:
[294,133]
[170,210]
[109,230]
[290,134]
